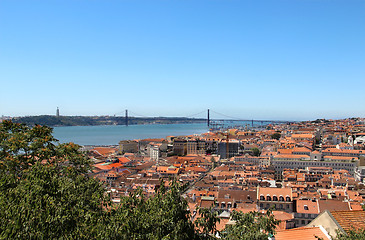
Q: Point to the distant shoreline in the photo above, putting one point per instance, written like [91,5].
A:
[68,121]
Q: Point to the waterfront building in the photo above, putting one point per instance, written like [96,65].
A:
[233,147]
[179,146]
[195,146]
[128,146]
[154,152]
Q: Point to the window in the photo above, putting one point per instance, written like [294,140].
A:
[274,198]
[288,199]
[281,198]
[262,198]
[305,207]
[268,198]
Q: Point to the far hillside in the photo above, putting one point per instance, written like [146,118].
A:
[55,121]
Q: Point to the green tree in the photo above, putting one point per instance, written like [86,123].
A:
[206,224]
[256,152]
[163,216]
[276,136]
[45,191]
[251,226]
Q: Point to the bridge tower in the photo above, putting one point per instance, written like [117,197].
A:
[208,119]
[126,117]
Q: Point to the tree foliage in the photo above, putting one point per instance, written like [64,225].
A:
[45,190]
[163,216]
[256,152]
[206,224]
[276,136]
[251,226]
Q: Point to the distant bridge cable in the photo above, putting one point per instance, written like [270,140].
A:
[233,118]
[192,115]
[118,113]
[139,115]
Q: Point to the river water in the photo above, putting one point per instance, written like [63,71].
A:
[112,134]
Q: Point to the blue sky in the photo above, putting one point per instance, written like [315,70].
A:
[261,59]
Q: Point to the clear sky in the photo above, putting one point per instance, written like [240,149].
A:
[261,59]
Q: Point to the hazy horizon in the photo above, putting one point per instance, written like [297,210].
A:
[197,118]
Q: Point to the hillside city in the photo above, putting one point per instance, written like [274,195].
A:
[311,174]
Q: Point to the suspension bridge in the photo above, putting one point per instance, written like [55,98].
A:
[213,119]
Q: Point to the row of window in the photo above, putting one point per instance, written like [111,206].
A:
[278,206]
[314,164]
[274,198]
[306,215]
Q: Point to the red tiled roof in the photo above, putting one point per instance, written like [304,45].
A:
[332,205]
[350,219]
[275,191]
[104,150]
[302,234]
[307,206]
[123,160]
[107,166]
[335,150]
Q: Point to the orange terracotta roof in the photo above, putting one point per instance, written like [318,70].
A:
[282,216]
[350,219]
[335,150]
[292,156]
[356,206]
[275,191]
[123,160]
[107,166]
[302,234]
[153,140]
[104,150]
[302,136]
[307,206]
[340,158]
[301,149]
[285,151]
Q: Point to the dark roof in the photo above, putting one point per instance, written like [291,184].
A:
[333,205]
[238,195]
